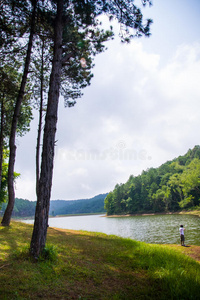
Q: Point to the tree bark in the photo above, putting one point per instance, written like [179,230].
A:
[1,138]
[40,121]
[45,182]
[11,192]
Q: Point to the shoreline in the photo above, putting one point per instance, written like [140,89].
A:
[60,216]
[195,213]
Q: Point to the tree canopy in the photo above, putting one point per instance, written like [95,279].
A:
[173,186]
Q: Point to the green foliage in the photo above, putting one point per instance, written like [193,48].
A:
[173,186]
[4,180]
[10,80]
[49,253]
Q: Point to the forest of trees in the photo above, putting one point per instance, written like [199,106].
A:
[24,208]
[82,206]
[173,186]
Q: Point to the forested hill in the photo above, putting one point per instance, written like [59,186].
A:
[83,206]
[173,186]
[26,208]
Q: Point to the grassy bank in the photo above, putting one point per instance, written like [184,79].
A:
[95,266]
[192,211]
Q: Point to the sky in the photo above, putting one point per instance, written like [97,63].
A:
[141,110]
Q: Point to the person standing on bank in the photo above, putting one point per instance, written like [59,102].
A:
[182,236]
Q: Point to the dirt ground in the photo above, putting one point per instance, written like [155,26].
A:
[190,250]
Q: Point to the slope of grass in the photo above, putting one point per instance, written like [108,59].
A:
[192,211]
[94,266]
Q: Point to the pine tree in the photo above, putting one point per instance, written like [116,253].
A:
[82,15]
[11,192]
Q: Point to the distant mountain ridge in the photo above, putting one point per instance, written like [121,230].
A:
[26,208]
[82,206]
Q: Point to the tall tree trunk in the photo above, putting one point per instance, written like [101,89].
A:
[40,121]
[11,192]
[45,182]
[1,138]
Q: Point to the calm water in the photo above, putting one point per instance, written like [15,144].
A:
[160,229]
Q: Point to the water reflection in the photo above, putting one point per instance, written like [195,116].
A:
[161,229]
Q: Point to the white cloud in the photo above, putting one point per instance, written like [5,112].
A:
[25,186]
[135,115]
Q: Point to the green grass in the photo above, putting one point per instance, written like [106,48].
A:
[192,211]
[85,265]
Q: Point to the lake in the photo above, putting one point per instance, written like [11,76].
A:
[159,229]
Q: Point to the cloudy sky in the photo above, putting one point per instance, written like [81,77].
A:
[142,109]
